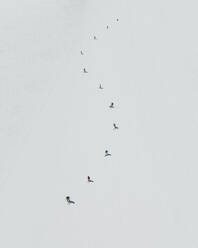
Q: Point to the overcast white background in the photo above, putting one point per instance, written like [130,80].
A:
[55,123]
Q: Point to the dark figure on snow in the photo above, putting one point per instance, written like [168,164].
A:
[85,71]
[114,125]
[107,153]
[100,87]
[111,105]
[95,38]
[107,27]
[117,19]
[69,201]
[89,179]
[81,52]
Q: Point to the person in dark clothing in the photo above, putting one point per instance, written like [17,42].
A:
[111,105]
[69,201]
[107,153]
[95,38]
[100,87]
[89,179]
[81,52]
[85,71]
[114,125]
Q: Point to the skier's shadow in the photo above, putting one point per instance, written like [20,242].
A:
[91,181]
[71,202]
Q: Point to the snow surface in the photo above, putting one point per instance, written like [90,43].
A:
[56,124]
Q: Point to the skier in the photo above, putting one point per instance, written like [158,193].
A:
[69,201]
[85,71]
[107,153]
[114,125]
[95,38]
[100,87]
[112,105]
[117,19]
[81,52]
[107,27]
[89,179]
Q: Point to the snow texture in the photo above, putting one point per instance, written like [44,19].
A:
[56,123]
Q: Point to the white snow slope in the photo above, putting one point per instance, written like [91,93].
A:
[56,124]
